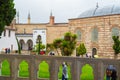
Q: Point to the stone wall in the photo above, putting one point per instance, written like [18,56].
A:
[52,31]
[104,24]
[76,63]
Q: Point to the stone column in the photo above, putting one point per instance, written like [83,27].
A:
[0,69]
[53,69]
[32,68]
[75,70]
[99,71]
[78,70]
[14,69]
[118,71]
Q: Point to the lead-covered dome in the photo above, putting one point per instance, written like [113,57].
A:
[107,10]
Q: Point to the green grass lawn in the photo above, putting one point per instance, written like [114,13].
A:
[87,71]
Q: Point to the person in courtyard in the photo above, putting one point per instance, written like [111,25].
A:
[114,74]
[8,50]
[52,53]
[109,72]
[86,55]
[64,71]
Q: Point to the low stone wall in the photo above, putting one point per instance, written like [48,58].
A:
[99,66]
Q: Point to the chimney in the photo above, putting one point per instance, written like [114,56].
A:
[51,19]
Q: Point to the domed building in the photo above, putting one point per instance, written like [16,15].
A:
[96,27]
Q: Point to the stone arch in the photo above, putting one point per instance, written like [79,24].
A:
[113,26]
[68,64]
[23,68]
[94,52]
[30,44]
[5,67]
[114,31]
[22,44]
[87,71]
[43,68]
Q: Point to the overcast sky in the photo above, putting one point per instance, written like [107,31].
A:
[61,9]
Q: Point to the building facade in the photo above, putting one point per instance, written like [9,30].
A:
[94,28]
[8,39]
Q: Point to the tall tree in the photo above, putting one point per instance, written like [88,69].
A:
[49,47]
[66,45]
[57,45]
[39,46]
[81,50]
[7,13]
[116,45]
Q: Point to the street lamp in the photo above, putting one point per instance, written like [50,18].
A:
[39,42]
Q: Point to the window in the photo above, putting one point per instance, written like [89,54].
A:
[94,34]
[115,31]
[43,31]
[78,34]
[94,52]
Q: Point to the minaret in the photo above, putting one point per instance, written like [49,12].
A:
[51,22]
[18,17]
[97,5]
[95,9]
[29,18]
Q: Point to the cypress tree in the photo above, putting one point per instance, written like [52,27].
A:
[116,45]
[81,50]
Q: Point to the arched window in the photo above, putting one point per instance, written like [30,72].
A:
[94,52]
[22,44]
[30,44]
[38,38]
[94,34]
[115,31]
[78,32]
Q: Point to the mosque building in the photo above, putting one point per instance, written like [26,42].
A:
[94,27]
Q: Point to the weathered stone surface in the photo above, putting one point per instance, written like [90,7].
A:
[76,63]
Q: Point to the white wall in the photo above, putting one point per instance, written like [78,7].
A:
[42,33]
[7,42]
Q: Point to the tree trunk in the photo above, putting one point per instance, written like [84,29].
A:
[82,56]
[58,52]
[115,56]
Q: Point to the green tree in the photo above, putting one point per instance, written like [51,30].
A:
[57,45]
[49,48]
[39,47]
[7,13]
[66,45]
[81,50]
[116,45]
